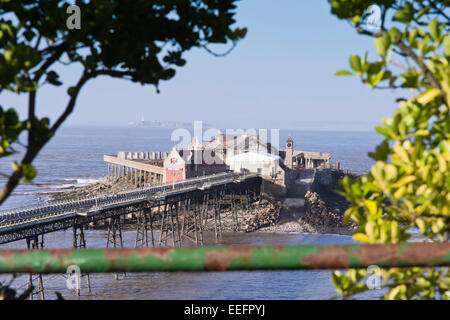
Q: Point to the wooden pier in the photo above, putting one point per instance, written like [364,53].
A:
[138,171]
[165,215]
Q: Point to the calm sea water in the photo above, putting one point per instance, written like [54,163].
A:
[75,157]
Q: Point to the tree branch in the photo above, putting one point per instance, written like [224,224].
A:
[433,4]
[410,53]
[33,150]
[428,74]
[71,105]
[219,54]
[31,117]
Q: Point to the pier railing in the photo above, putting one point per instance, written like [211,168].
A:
[59,209]
[226,258]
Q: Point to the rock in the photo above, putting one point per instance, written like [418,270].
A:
[325,212]
[104,185]
[264,213]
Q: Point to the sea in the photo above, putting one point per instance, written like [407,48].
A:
[74,157]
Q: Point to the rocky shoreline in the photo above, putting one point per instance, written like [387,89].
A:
[327,212]
[264,213]
[313,214]
[105,185]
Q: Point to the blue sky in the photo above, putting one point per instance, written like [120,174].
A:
[279,76]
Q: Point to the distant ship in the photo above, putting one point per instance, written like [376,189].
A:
[164,124]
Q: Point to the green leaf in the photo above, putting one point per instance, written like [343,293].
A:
[433,26]
[355,62]
[382,44]
[52,77]
[404,180]
[28,171]
[71,91]
[381,151]
[421,225]
[371,207]
[370,229]
[29,35]
[361,237]
[343,73]
[447,46]
[394,35]
[405,14]
[427,96]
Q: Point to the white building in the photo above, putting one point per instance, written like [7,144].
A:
[263,163]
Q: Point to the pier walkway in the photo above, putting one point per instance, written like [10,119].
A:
[51,216]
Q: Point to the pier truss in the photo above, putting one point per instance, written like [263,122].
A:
[166,215]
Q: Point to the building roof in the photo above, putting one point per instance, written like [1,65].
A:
[252,156]
[238,142]
[307,154]
[222,139]
[195,144]
[208,157]
[312,154]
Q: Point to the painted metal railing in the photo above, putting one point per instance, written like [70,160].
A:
[62,209]
[223,258]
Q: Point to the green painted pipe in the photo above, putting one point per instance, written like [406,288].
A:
[225,258]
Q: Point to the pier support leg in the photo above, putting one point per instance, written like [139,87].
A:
[244,203]
[114,237]
[163,229]
[216,231]
[150,218]
[233,212]
[200,222]
[205,209]
[172,224]
[191,221]
[177,221]
[79,241]
[184,219]
[141,240]
[196,219]
[34,244]
[221,196]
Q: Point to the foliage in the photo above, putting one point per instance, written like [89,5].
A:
[140,40]
[8,293]
[409,186]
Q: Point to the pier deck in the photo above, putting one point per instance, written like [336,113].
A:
[136,170]
[30,221]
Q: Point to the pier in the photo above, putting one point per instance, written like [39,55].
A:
[225,152]
[179,196]
[33,221]
[166,215]
[138,171]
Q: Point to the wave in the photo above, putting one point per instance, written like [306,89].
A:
[87,181]
[62,186]
[82,181]
[69,183]
[24,193]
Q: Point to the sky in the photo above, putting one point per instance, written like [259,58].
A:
[280,76]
